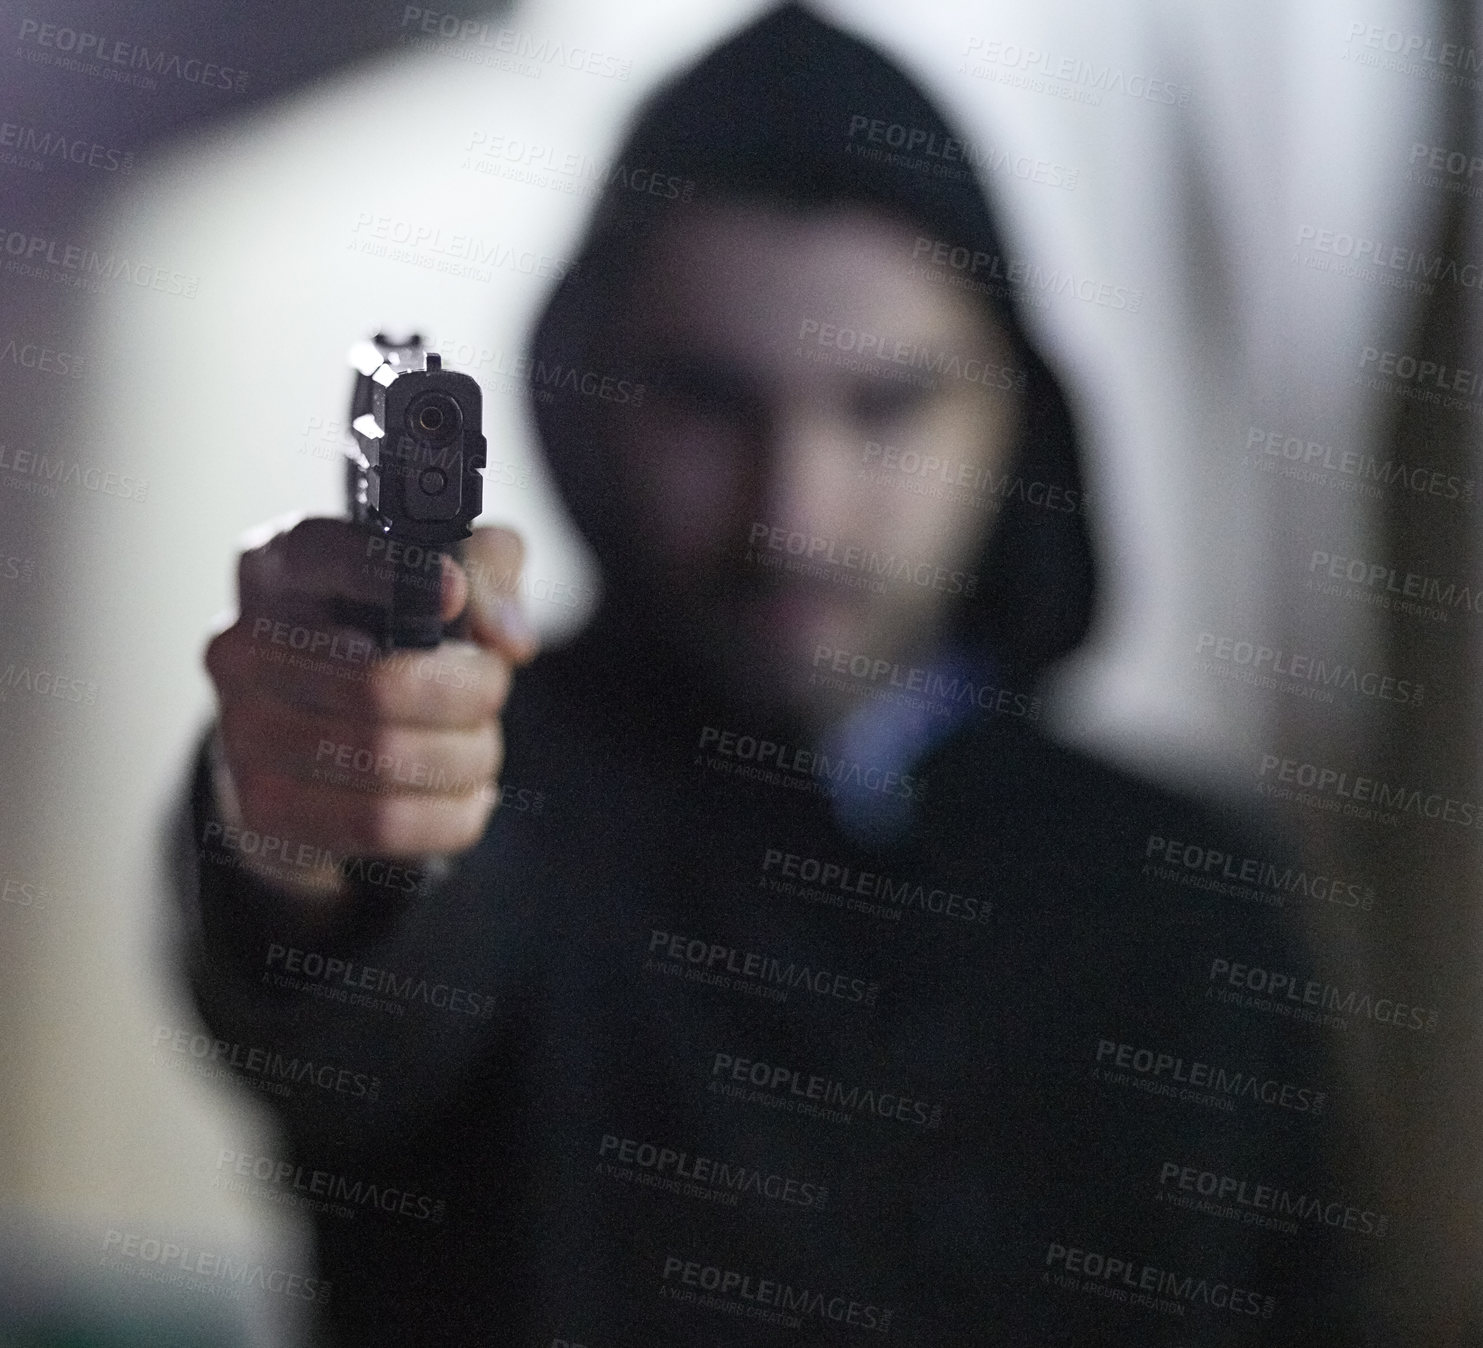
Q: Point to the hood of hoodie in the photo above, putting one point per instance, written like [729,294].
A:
[788,112]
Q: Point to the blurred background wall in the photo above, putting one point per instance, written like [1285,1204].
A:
[1259,266]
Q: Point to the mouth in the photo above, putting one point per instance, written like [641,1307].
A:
[789,612]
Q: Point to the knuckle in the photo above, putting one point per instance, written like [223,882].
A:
[228,658]
[217,657]
[305,538]
[468,820]
[490,684]
[479,759]
[249,571]
[502,679]
[259,569]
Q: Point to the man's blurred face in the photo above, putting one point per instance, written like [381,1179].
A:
[796,482]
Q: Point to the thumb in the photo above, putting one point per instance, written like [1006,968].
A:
[492,561]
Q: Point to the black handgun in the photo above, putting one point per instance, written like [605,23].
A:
[412,480]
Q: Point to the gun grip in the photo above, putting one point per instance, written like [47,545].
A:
[413,619]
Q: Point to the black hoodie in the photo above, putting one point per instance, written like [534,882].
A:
[796,113]
[683,1053]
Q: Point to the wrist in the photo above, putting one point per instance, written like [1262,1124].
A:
[319,882]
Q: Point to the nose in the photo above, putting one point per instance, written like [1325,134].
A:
[803,485]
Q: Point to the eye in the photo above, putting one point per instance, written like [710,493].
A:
[882,401]
[703,389]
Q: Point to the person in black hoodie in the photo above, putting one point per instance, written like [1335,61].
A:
[800,989]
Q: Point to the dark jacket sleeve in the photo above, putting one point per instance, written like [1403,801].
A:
[354,1026]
